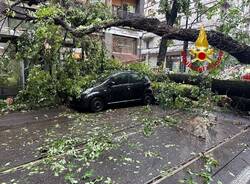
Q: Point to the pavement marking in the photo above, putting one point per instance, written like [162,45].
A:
[243,177]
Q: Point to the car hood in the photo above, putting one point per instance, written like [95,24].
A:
[92,89]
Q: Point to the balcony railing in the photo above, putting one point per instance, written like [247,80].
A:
[122,14]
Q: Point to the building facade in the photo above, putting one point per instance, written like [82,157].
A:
[124,43]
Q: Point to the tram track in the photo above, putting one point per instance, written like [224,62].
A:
[78,147]
[174,170]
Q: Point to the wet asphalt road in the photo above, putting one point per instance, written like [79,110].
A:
[22,133]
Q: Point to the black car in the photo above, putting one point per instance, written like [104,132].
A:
[121,87]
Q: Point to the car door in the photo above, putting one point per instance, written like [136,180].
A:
[119,88]
[136,86]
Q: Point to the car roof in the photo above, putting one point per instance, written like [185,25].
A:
[127,72]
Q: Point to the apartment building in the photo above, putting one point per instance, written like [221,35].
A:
[124,43]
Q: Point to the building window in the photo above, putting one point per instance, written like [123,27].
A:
[125,6]
[124,44]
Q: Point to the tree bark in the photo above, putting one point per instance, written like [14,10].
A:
[231,88]
[186,79]
[162,51]
[171,19]
[240,103]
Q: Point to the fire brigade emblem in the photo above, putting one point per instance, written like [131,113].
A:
[202,55]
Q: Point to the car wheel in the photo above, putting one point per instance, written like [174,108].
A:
[96,104]
[148,99]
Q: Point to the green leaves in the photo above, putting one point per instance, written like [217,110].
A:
[39,91]
[9,71]
[88,174]
[89,15]
[46,12]
[233,19]
[72,156]
[173,95]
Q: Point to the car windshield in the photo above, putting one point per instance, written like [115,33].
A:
[102,80]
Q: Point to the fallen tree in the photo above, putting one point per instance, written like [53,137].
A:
[240,103]
[216,39]
[221,87]
[231,88]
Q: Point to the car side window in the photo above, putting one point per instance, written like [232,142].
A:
[134,78]
[120,79]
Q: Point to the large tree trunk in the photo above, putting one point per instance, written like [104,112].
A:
[237,88]
[240,103]
[186,79]
[231,88]
[215,39]
[171,19]
[238,91]
[162,51]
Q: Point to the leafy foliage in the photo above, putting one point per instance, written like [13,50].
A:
[2,104]
[53,75]
[39,91]
[71,156]
[88,14]
[233,19]
[173,95]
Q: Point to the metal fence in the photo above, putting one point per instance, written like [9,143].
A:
[122,14]
[8,91]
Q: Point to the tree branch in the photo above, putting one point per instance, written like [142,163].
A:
[216,39]
[173,15]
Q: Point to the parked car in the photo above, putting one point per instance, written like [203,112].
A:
[121,87]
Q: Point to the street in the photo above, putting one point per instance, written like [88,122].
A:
[174,150]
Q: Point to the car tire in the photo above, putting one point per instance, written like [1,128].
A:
[148,99]
[96,104]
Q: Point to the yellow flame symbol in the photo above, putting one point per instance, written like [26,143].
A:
[201,52]
[202,39]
